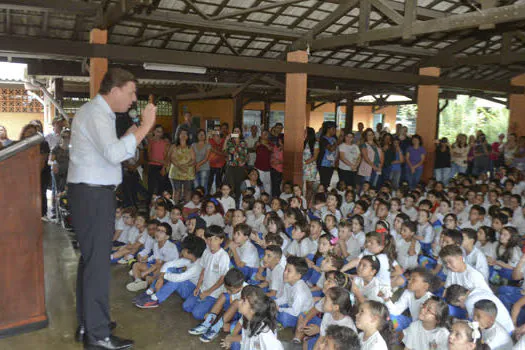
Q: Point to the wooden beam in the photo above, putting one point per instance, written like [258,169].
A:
[364,17]
[321,26]
[45,23]
[171,19]
[8,21]
[215,93]
[244,86]
[118,53]
[256,9]
[388,11]
[505,14]
[148,37]
[84,8]
[409,18]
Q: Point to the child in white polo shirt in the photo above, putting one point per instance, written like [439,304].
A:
[243,253]
[215,264]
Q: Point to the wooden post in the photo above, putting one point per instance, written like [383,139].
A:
[349,118]
[266,115]
[517,108]
[295,120]
[174,114]
[427,118]
[237,111]
[97,66]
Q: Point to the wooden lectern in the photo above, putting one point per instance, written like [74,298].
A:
[22,301]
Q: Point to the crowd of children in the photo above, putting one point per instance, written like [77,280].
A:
[436,267]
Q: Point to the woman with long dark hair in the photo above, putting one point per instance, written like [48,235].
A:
[310,153]
[415,157]
[372,162]
[327,153]
[181,163]
[349,158]
[237,155]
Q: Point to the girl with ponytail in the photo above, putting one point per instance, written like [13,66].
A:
[374,321]
[259,323]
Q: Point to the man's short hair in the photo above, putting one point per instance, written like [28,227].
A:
[488,306]
[115,77]
[234,278]
[450,250]
[454,292]
[194,245]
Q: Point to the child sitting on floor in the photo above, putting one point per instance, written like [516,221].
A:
[215,263]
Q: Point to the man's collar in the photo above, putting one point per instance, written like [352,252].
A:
[103,103]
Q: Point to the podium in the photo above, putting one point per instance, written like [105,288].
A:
[22,299]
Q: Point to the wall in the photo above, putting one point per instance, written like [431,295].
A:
[223,110]
[14,122]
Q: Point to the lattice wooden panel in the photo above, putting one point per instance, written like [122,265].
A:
[18,101]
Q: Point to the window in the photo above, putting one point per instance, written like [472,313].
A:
[329,117]
[339,119]
[164,107]
[276,117]
[378,118]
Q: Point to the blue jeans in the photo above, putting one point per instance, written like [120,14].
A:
[372,179]
[201,179]
[456,169]
[413,178]
[395,177]
[287,320]
[184,289]
[198,307]
[442,175]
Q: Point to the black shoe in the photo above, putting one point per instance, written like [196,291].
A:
[80,334]
[109,343]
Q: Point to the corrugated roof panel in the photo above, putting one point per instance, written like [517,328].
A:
[294,11]
[259,16]
[349,64]
[241,3]
[250,52]
[307,23]
[350,30]
[177,45]
[207,39]
[258,45]
[332,61]
[334,28]
[223,50]
[442,6]
[203,48]
[284,20]
[383,67]
[184,37]
[130,30]
[172,4]
[328,7]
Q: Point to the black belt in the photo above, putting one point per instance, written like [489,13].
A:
[105,187]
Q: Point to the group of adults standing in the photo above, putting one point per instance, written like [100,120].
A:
[362,156]
[197,159]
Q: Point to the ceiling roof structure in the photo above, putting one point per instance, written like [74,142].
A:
[356,47]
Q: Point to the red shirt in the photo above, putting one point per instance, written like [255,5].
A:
[157,150]
[262,159]
[216,161]
[495,151]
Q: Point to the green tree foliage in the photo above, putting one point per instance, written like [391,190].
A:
[464,115]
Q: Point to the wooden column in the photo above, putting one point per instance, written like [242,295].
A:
[427,118]
[295,120]
[59,90]
[517,108]
[266,115]
[237,111]
[349,118]
[97,66]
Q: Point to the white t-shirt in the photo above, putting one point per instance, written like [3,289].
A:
[250,143]
[503,317]
[275,279]
[478,260]
[256,223]
[298,298]
[248,254]
[165,218]
[227,203]
[383,275]
[328,320]
[192,272]
[497,338]
[407,301]
[355,244]
[469,279]
[416,337]
[302,249]
[407,261]
[351,154]
[371,290]
[168,252]
[427,231]
[412,212]
[489,249]
[215,219]
[520,345]
[375,342]
[178,230]
[119,224]
[266,340]
[215,266]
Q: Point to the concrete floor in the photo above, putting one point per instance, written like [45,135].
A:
[166,326]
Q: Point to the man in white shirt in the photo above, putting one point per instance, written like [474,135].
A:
[94,172]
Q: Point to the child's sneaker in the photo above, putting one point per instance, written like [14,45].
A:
[199,330]
[122,261]
[147,303]
[139,297]
[130,273]
[211,334]
[137,285]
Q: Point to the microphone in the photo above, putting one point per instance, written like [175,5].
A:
[134,115]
